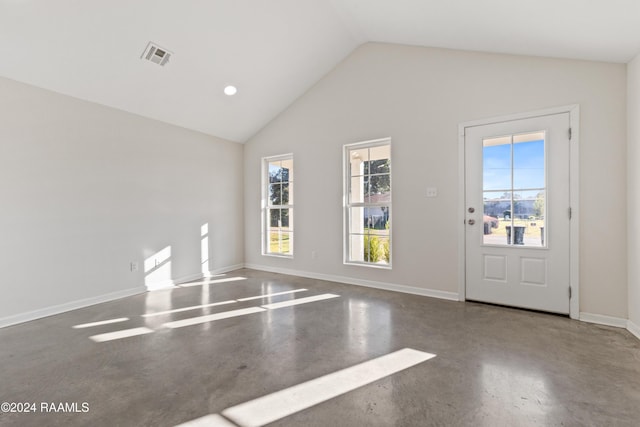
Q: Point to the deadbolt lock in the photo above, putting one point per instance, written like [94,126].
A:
[471,210]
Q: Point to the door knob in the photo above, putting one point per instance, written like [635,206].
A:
[472,221]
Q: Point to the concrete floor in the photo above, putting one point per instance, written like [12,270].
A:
[494,366]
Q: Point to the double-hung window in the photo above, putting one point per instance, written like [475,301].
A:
[277,210]
[367,216]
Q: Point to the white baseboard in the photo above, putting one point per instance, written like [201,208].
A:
[165,284]
[73,305]
[633,328]
[601,319]
[227,269]
[452,296]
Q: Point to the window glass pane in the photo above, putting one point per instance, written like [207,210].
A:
[287,170]
[357,160]
[376,217]
[275,194]
[287,243]
[380,189]
[523,204]
[369,248]
[497,204]
[359,189]
[280,242]
[528,164]
[379,156]
[275,171]
[519,222]
[528,218]
[379,167]
[368,219]
[286,218]
[367,185]
[539,207]
[357,220]
[385,256]
[497,215]
[356,247]
[496,160]
[287,193]
[374,248]
[281,219]
[379,232]
[539,212]
[274,218]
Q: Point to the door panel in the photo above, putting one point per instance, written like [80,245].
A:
[517,213]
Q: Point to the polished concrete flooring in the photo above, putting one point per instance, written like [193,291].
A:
[493,366]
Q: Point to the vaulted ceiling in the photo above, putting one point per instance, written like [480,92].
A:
[273,50]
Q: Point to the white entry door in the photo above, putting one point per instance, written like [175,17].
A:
[517,213]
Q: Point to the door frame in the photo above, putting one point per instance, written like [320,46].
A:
[574,186]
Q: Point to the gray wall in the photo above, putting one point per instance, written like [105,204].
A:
[87,189]
[418,96]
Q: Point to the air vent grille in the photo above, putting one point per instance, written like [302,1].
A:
[156,54]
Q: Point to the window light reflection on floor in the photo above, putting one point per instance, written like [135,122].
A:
[271,295]
[126,333]
[100,323]
[298,301]
[234,313]
[212,317]
[193,307]
[278,405]
[212,282]
[212,420]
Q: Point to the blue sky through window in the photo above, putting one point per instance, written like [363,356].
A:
[528,166]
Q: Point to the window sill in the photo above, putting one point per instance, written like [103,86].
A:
[279,256]
[369,265]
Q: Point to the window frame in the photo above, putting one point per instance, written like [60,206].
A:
[266,206]
[347,205]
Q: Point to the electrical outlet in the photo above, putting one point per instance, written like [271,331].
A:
[432,192]
[134,266]
[314,255]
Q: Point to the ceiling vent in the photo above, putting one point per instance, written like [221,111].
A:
[156,54]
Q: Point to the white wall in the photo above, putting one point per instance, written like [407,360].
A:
[418,96]
[86,189]
[633,162]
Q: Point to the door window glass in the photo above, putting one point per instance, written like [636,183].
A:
[514,190]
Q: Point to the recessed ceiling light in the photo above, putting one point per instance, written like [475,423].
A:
[230,90]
